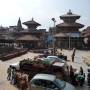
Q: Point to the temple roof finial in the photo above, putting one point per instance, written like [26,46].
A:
[69,12]
[19,25]
[32,18]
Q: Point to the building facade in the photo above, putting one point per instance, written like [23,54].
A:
[86,37]
[67,34]
[30,38]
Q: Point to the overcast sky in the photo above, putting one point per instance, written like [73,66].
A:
[42,11]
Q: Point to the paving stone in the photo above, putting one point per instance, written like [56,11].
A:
[79,57]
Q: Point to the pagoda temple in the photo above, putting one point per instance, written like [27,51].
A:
[31,38]
[32,25]
[67,34]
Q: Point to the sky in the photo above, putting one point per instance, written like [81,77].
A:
[42,11]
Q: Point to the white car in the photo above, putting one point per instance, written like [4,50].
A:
[48,82]
[15,65]
[56,58]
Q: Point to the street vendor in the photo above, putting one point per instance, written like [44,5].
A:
[9,73]
[80,79]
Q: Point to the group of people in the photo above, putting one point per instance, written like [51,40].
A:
[76,77]
[59,54]
[17,78]
[88,77]
[62,56]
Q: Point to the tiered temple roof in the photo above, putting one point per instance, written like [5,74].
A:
[31,24]
[78,25]
[69,14]
[27,38]
[67,35]
[69,22]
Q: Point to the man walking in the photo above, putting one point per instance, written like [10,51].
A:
[9,73]
[73,54]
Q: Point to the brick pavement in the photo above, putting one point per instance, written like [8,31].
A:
[5,85]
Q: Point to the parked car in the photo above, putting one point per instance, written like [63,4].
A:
[56,58]
[46,66]
[15,66]
[48,82]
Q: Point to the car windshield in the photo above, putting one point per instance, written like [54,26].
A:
[56,58]
[48,61]
[60,83]
[52,57]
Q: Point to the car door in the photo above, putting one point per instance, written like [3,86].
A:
[50,85]
[41,84]
[36,87]
[37,84]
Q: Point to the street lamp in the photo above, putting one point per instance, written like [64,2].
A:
[53,19]
[53,33]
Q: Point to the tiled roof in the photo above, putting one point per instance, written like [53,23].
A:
[28,38]
[70,25]
[67,35]
[31,22]
[60,35]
